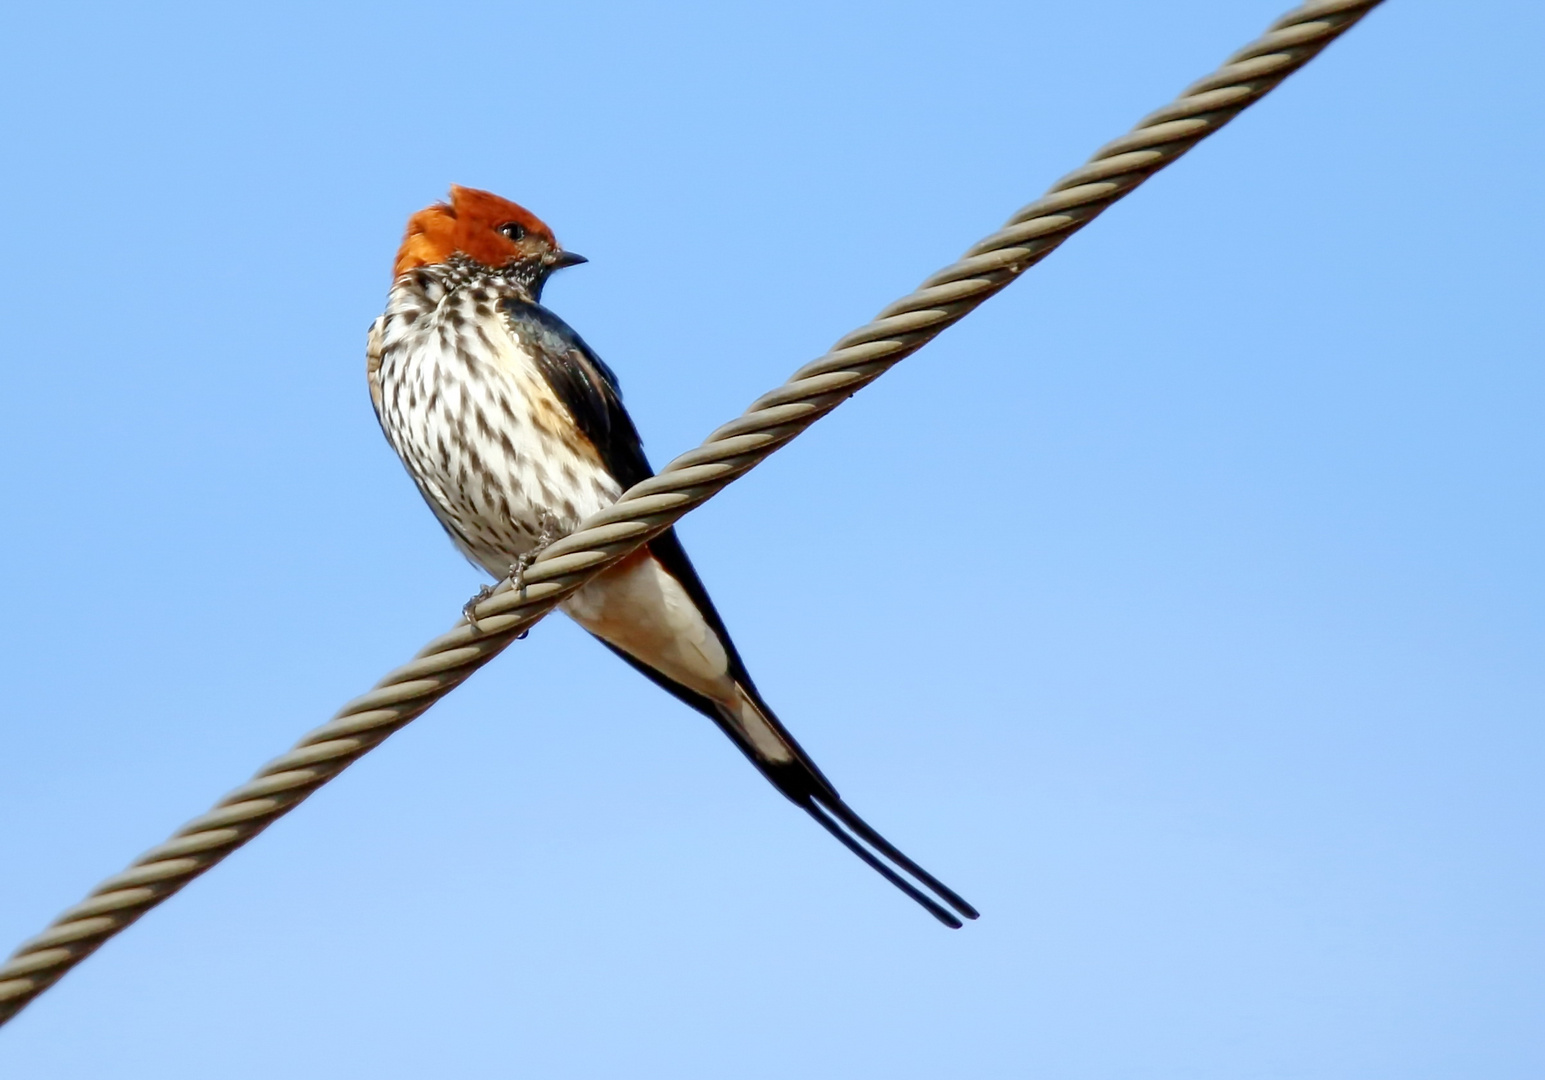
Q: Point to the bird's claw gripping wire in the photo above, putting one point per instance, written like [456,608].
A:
[517,573]
[469,609]
[517,576]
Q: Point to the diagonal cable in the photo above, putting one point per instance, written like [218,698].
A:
[649,508]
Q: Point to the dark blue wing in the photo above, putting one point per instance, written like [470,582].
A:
[589,390]
[585,385]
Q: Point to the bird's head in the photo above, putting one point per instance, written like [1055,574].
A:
[487,229]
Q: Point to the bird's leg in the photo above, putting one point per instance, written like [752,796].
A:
[517,574]
[469,609]
[518,569]
[543,542]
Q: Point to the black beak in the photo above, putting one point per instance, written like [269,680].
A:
[562,259]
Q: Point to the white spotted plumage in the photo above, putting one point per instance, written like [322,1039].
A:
[474,420]
[500,461]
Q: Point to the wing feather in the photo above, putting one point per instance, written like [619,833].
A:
[584,384]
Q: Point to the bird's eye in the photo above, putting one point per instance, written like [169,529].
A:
[514,230]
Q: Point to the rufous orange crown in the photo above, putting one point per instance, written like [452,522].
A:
[468,224]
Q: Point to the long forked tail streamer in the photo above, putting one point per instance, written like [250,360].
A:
[651,507]
[835,814]
[844,813]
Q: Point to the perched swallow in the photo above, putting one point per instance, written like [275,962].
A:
[515,432]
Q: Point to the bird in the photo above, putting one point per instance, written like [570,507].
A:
[514,432]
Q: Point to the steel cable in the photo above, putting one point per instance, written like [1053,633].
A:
[651,507]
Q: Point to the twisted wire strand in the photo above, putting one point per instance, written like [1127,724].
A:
[652,506]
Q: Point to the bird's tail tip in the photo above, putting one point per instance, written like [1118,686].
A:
[769,745]
[859,837]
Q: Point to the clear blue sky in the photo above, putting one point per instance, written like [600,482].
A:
[1183,607]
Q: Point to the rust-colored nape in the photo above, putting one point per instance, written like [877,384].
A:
[470,224]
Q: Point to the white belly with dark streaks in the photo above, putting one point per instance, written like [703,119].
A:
[490,446]
[500,461]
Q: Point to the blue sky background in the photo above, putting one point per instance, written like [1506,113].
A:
[1183,607]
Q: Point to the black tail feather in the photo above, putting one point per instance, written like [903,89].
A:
[928,903]
[797,776]
[844,813]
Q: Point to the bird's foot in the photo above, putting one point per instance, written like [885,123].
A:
[517,573]
[469,609]
[544,540]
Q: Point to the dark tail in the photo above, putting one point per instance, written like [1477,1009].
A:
[763,739]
